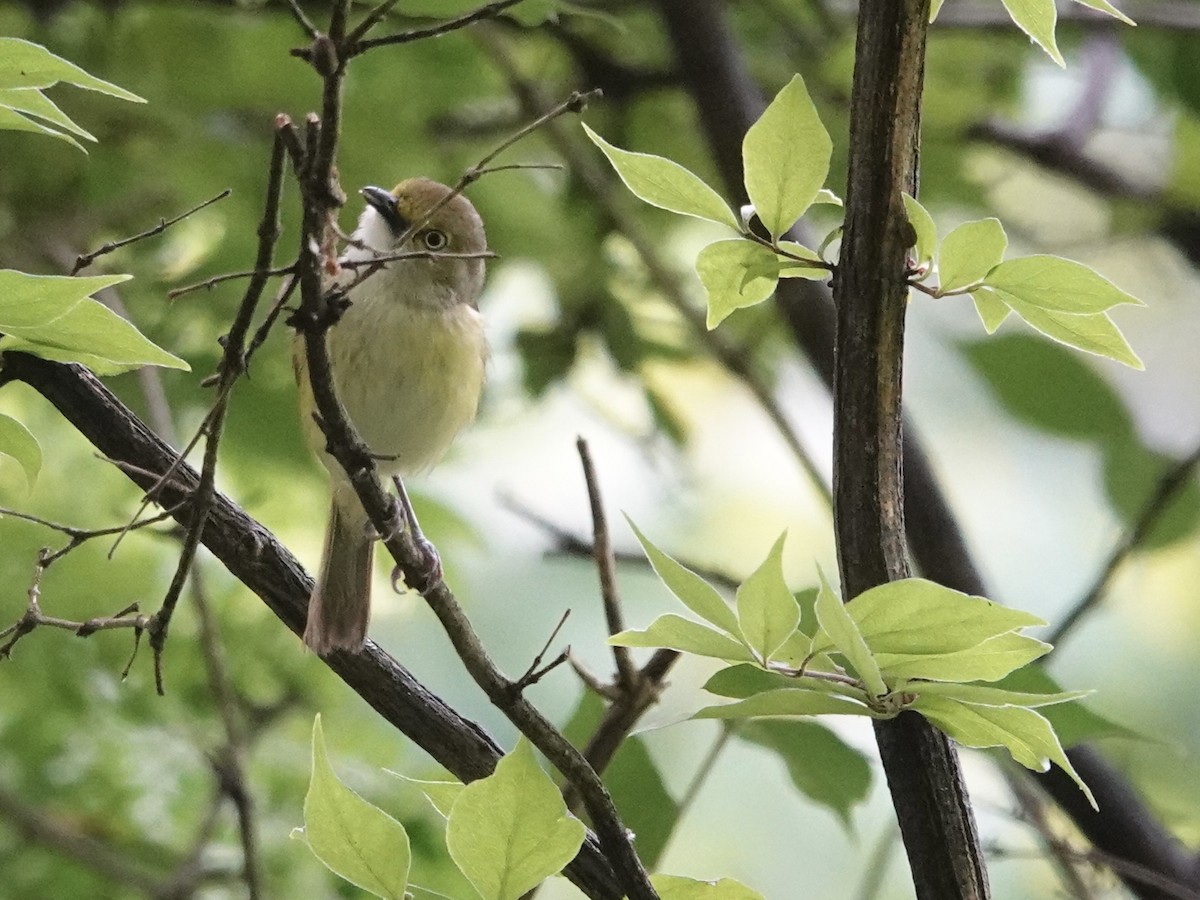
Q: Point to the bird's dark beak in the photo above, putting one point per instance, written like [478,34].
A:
[385,204]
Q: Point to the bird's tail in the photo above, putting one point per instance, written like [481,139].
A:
[340,606]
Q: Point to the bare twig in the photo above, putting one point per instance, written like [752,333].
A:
[210,283]
[357,45]
[302,19]
[230,369]
[86,259]
[1032,810]
[605,565]
[1172,482]
[536,670]
[80,535]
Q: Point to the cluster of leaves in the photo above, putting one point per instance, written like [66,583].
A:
[1064,300]
[50,316]
[1037,18]
[507,832]
[786,157]
[906,645]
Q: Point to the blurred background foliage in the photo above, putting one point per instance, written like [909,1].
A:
[107,790]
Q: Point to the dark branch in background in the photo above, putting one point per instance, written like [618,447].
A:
[357,45]
[255,558]
[1172,482]
[86,259]
[321,196]
[729,101]
[1157,14]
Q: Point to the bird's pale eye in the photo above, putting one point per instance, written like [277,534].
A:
[434,239]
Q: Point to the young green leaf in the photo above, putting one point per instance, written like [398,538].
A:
[32,102]
[821,765]
[1105,7]
[989,695]
[27,301]
[934,8]
[786,158]
[674,887]
[826,197]
[790,268]
[767,612]
[13,120]
[727,271]
[837,623]
[18,442]
[1074,723]
[918,216]
[510,831]
[1057,284]
[745,680]
[969,252]
[666,184]
[787,702]
[1025,733]
[916,616]
[356,840]
[92,334]
[683,634]
[992,310]
[440,794]
[1037,19]
[691,590]
[1094,333]
[27,65]
[988,661]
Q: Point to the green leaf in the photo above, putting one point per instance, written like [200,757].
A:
[1048,387]
[726,270]
[27,65]
[510,831]
[1037,19]
[11,120]
[1132,476]
[32,102]
[30,300]
[692,591]
[666,184]
[92,334]
[787,702]
[1074,723]
[837,623]
[786,158]
[915,616]
[1093,333]
[821,765]
[790,268]
[1025,733]
[922,223]
[990,660]
[992,310]
[358,841]
[745,680]
[532,13]
[18,442]
[683,634]
[934,8]
[990,695]
[969,252]
[826,197]
[440,794]
[1056,284]
[767,612]
[1105,7]
[674,887]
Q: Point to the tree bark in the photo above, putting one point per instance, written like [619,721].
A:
[871,297]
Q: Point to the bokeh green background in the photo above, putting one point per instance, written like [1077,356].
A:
[1045,455]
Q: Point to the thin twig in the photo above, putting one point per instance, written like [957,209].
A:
[357,45]
[302,19]
[606,567]
[210,283]
[1169,485]
[536,671]
[1032,810]
[86,259]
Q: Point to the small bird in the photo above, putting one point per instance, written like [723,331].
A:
[408,357]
